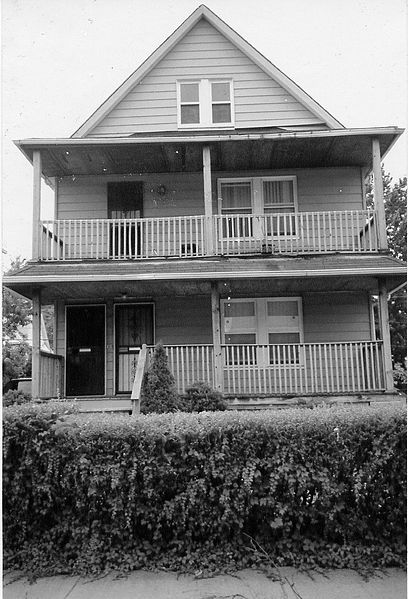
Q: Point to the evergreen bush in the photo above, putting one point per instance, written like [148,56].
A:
[159,388]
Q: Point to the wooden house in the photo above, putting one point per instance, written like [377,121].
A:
[211,204]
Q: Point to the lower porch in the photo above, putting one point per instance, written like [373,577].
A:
[264,347]
[253,329]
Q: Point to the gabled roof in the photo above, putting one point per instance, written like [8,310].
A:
[202,12]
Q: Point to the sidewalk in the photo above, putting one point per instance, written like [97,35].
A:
[246,584]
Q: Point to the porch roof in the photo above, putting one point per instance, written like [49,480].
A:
[78,280]
[276,148]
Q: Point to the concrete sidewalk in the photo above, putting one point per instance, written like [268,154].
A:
[246,584]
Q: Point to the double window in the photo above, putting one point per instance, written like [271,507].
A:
[275,323]
[272,196]
[205,103]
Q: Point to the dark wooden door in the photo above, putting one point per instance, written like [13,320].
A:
[85,362]
[133,327]
[125,201]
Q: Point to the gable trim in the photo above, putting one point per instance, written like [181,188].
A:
[203,12]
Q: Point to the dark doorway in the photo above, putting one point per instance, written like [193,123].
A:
[125,201]
[133,327]
[85,361]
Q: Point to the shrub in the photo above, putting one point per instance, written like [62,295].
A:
[200,397]
[159,388]
[12,396]
[323,487]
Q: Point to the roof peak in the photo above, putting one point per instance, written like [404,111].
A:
[202,11]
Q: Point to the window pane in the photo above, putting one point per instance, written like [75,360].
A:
[236,195]
[278,192]
[239,309]
[288,308]
[190,114]
[286,354]
[220,92]
[280,225]
[284,338]
[246,354]
[221,113]
[240,338]
[189,92]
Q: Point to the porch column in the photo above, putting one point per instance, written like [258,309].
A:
[379,196]
[36,356]
[216,331]
[36,204]
[209,233]
[385,334]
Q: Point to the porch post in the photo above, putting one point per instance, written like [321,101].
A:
[209,234]
[379,196]
[36,204]
[36,356]
[216,331]
[385,334]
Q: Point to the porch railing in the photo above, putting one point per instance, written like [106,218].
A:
[198,236]
[190,364]
[51,375]
[302,368]
[298,232]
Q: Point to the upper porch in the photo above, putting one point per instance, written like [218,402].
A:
[256,192]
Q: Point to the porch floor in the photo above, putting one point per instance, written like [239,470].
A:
[247,402]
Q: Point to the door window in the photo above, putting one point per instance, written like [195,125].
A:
[133,328]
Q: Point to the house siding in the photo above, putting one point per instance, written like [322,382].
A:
[204,53]
[318,189]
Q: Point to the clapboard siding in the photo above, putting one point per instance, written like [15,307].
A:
[203,53]
[336,317]
[318,190]
[181,320]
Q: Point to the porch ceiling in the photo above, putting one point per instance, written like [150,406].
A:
[240,276]
[229,151]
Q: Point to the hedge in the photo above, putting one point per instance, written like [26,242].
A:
[322,487]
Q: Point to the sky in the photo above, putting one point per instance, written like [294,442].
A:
[62,58]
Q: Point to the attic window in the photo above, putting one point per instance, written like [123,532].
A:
[204,103]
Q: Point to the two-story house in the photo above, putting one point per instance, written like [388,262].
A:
[211,204]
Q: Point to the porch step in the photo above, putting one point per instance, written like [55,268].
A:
[102,404]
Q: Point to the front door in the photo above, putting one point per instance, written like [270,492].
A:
[133,327]
[125,203]
[85,352]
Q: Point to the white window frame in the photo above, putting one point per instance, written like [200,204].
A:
[257,199]
[263,328]
[205,104]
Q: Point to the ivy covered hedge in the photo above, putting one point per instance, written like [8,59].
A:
[203,491]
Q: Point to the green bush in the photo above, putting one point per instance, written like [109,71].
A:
[159,388]
[12,396]
[200,397]
[323,487]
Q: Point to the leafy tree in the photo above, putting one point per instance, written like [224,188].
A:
[159,388]
[17,311]
[395,203]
